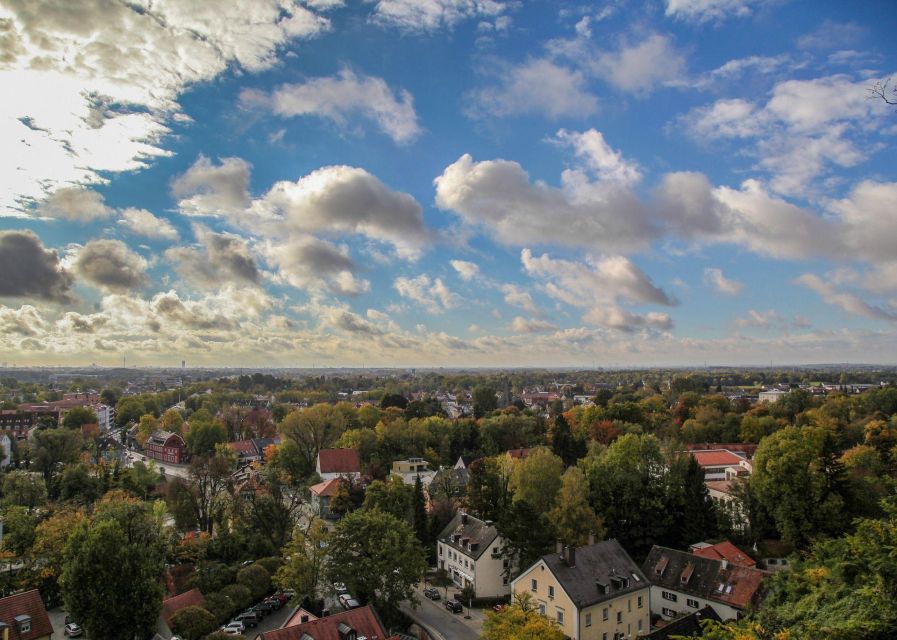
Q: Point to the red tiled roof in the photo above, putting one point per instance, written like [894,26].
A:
[339,461]
[172,605]
[243,447]
[745,449]
[723,486]
[363,620]
[745,584]
[326,489]
[518,454]
[716,458]
[296,618]
[725,550]
[27,603]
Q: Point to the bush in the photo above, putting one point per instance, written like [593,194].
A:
[271,564]
[255,578]
[213,576]
[220,606]
[239,595]
[193,622]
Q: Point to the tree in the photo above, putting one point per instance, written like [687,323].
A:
[393,400]
[689,501]
[110,396]
[536,479]
[392,496]
[77,417]
[881,90]
[305,558]
[53,448]
[341,501]
[573,518]
[46,558]
[111,582]
[19,525]
[209,479]
[146,427]
[313,429]
[24,489]
[799,481]
[255,578]
[419,514]
[171,420]
[203,437]
[193,622]
[520,621]
[528,535]
[564,444]
[487,489]
[128,410]
[76,483]
[377,556]
[484,401]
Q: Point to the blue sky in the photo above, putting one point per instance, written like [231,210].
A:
[447,182]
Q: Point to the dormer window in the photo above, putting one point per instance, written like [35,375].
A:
[23,624]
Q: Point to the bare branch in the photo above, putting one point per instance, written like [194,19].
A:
[880,90]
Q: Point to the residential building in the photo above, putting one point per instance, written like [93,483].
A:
[595,592]
[724,550]
[470,551]
[166,446]
[682,583]
[356,624]
[170,606]
[334,463]
[411,469]
[720,464]
[25,617]
[321,494]
[245,450]
[6,453]
[449,483]
[105,416]
[772,395]
[723,492]
[688,626]
[17,422]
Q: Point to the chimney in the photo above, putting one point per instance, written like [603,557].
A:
[724,563]
[591,539]
[570,556]
[559,547]
[463,518]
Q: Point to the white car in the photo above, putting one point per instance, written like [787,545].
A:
[73,630]
[348,601]
[234,629]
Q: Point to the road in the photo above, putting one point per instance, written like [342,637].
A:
[434,615]
[180,470]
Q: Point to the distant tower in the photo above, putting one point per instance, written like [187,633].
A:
[183,364]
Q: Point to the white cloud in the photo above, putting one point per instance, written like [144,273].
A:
[527,325]
[622,320]
[430,15]
[466,270]
[207,189]
[847,301]
[517,297]
[306,262]
[641,67]
[720,283]
[760,319]
[221,258]
[536,86]
[341,97]
[144,223]
[90,87]
[607,163]
[704,10]
[75,203]
[498,195]
[433,295]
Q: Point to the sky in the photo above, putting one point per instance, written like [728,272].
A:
[280,183]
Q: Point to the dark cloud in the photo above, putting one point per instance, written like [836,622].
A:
[111,265]
[29,270]
[224,258]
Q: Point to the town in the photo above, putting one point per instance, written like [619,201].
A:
[440,504]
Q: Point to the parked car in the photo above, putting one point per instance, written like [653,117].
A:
[234,629]
[248,618]
[73,630]
[282,596]
[432,593]
[274,602]
[498,608]
[339,587]
[264,607]
[454,606]
[289,593]
[348,601]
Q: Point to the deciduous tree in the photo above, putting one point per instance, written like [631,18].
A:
[573,518]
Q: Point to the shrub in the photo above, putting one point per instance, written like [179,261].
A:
[239,595]
[193,622]
[256,579]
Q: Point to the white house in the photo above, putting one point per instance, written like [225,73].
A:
[411,469]
[470,551]
[338,463]
[6,454]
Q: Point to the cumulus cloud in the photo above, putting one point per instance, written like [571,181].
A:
[306,262]
[75,203]
[30,270]
[430,15]
[24,321]
[517,297]
[207,189]
[528,325]
[144,223]
[341,97]
[222,257]
[91,87]
[433,295]
[498,195]
[466,270]
[616,318]
[607,163]
[536,86]
[349,200]
[110,265]
[705,10]
[760,319]
[805,129]
[642,66]
[720,283]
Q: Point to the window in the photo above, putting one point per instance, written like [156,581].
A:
[692,603]
[560,615]
[588,619]
[551,591]
[639,602]
[639,624]
[542,608]
[669,613]
[534,586]
[629,604]
[619,617]
[504,580]
[604,636]
[604,614]
[667,595]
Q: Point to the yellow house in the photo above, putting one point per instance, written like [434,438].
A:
[594,592]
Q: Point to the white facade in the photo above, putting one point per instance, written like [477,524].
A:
[487,574]
[670,603]
[105,416]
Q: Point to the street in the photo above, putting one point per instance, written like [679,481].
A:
[451,626]
[180,470]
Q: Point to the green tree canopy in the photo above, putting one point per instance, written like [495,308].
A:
[193,622]
[76,417]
